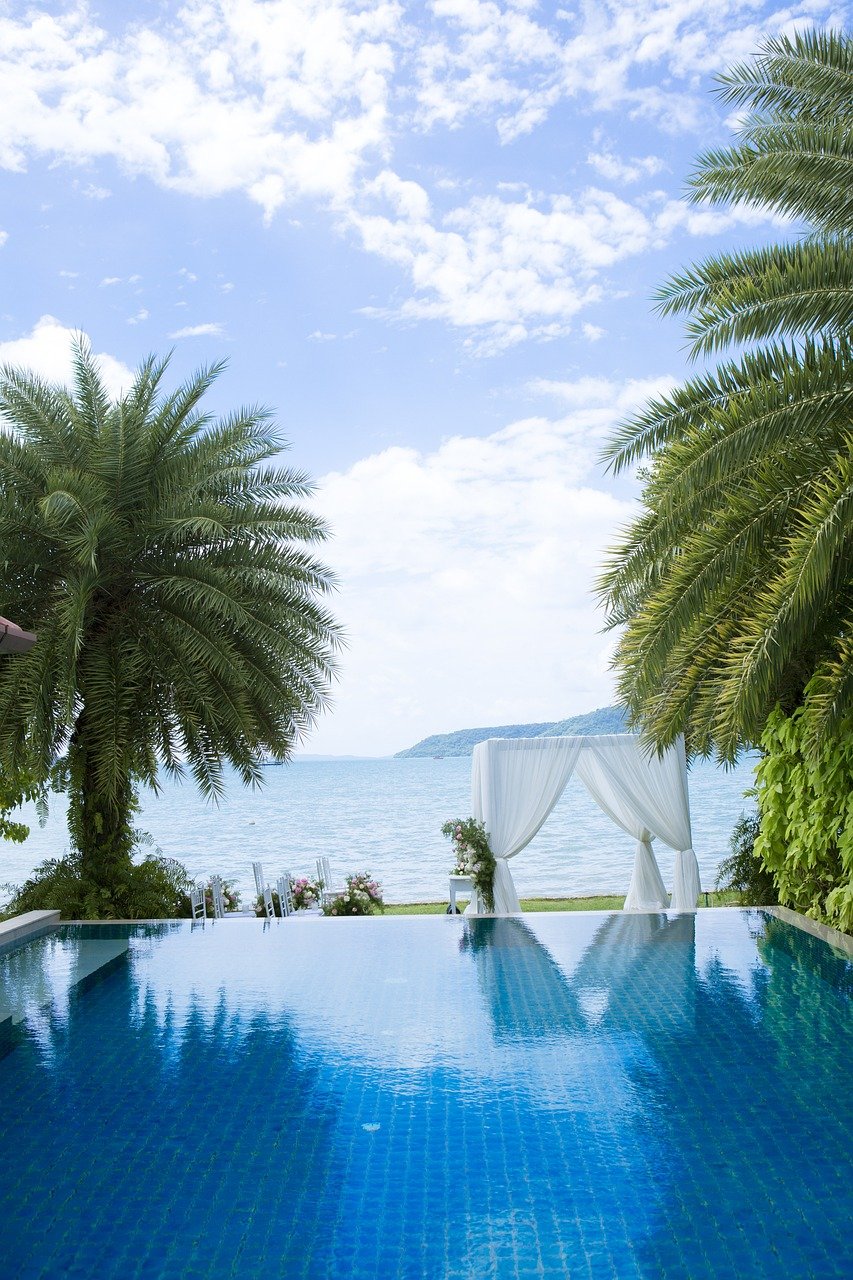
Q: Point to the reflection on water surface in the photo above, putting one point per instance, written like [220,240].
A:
[638,1095]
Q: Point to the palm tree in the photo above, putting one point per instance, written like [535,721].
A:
[165,563]
[735,584]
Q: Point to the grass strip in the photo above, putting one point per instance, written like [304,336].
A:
[605,902]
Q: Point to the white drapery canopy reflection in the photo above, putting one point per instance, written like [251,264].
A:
[515,784]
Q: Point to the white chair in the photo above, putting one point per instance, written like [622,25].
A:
[197,903]
[258,869]
[324,875]
[285,895]
[218,898]
[266,894]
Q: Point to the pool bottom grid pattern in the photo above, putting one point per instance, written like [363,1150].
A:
[443,1101]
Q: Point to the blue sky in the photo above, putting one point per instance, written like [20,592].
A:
[427,235]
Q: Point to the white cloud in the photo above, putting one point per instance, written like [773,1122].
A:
[141,314]
[467,576]
[209,330]
[110,280]
[703,220]
[613,168]
[506,63]
[277,99]
[592,332]
[46,351]
[516,269]
[287,100]
[600,393]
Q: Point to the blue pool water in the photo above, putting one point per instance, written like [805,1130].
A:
[586,1096]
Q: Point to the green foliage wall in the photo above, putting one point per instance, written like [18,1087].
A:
[805,796]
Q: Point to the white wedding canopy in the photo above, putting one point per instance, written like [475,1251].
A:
[516,782]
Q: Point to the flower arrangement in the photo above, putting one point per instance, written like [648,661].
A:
[474,856]
[230,897]
[362,896]
[260,909]
[306,893]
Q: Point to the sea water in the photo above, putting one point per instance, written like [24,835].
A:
[385,816]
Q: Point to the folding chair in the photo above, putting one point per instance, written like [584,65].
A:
[285,895]
[218,899]
[324,875]
[266,894]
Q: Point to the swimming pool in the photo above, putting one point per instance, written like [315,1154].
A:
[584,1095]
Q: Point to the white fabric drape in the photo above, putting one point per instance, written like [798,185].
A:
[654,788]
[646,891]
[514,786]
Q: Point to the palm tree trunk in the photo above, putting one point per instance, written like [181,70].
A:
[100,824]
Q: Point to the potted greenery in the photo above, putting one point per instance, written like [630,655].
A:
[474,856]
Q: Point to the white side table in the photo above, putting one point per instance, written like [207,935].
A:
[463,885]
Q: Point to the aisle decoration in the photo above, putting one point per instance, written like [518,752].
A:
[474,856]
[362,896]
[306,893]
[230,896]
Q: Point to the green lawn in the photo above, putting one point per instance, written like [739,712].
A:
[611,902]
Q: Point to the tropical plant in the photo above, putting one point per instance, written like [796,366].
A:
[473,855]
[743,870]
[164,561]
[361,897]
[153,888]
[734,584]
[14,791]
[805,798]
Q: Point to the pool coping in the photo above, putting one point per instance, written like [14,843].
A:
[834,937]
[29,925]
[36,923]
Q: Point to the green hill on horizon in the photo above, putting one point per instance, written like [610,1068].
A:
[463,741]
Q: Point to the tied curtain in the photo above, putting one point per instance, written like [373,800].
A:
[516,783]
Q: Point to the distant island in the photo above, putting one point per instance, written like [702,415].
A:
[463,741]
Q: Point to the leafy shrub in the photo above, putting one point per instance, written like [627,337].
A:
[805,797]
[362,897]
[743,869]
[154,888]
